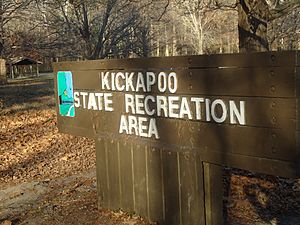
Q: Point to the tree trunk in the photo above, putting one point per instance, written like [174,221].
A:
[253,21]
[1,30]
[1,46]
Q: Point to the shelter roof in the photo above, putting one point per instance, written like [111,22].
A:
[18,61]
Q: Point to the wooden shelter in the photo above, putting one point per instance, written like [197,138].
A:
[3,79]
[22,66]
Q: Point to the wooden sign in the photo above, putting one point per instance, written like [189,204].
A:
[164,126]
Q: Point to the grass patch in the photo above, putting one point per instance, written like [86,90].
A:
[27,93]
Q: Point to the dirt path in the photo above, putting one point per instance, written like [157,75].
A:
[62,201]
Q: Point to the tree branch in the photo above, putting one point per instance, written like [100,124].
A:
[164,11]
[284,9]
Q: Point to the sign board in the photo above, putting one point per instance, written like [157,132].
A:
[171,115]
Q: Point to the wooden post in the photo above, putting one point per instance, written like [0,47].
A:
[213,189]
[16,71]
[2,72]
[31,71]
[37,70]
[11,71]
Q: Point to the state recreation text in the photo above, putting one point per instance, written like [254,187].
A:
[141,109]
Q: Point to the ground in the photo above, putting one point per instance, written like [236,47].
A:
[49,178]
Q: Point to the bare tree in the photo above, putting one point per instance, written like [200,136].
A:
[197,17]
[197,27]
[254,17]
[99,28]
[9,10]
[284,32]
[207,25]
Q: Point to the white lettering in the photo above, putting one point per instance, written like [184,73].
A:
[235,113]
[207,109]
[76,99]
[197,102]
[99,99]
[139,104]
[173,106]
[84,94]
[172,78]
[129,103]
[108,102]
[112,76]
[92,102]
[223,111]
[140,83]
[104,81]
[132,124]
[150,80]
[142,127]
[123,125]
[147,108]
[162,82]
[153,129]
[185,109]
[162,105]
[129,82]
[118,85]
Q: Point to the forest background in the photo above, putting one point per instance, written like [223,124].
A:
[58,30]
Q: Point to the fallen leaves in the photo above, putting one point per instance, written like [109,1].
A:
[6,222]
[260,199]
[32,148]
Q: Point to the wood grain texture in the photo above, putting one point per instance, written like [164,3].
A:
[140,183]
[155,185]
[113,173]
[102,178]
[213,189]
[176,179]
[126,176]
[297,87]
[191,189]
[266,59]
[258,82]
[171,188]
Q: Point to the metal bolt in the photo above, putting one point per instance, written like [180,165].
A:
[273,104]
[274,120]
[274,135]
[190,87]
[272,73]
[273,89]
[189,60]
[273,58]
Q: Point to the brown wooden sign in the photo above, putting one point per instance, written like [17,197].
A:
[163,125]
